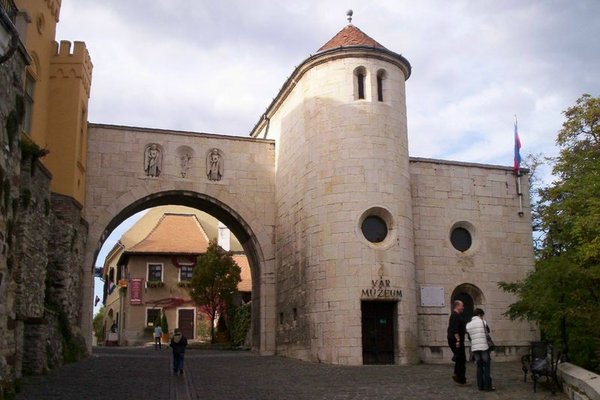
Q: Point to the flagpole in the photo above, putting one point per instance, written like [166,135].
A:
[518,173]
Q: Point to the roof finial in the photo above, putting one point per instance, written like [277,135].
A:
[349,15]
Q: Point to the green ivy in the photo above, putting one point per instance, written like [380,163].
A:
[12,127]
[239,323]
[25,198]
[6,190]
[32,152]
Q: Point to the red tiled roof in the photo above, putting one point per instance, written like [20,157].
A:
[350,36]
[174,234]
[245,284]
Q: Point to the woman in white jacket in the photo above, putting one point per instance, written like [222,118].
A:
[477,330]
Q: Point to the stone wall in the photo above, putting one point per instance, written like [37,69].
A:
[339,160]
[483,200]
[11,83]
[579,383]
[38,232]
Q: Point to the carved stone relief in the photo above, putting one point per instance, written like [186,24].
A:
[185,156]
[214,164]
[153,160]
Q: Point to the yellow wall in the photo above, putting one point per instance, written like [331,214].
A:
[62,88]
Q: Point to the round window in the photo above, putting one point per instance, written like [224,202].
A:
[461,239]
[375,229]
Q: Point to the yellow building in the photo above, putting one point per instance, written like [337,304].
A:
[57,89]
[148,271]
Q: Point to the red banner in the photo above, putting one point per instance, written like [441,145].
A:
[135,291]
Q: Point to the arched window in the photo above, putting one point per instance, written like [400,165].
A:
[380,80]
[360,75]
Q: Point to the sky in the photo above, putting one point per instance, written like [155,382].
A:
[214,67]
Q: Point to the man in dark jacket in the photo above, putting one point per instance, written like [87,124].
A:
[178,343]
[456,341]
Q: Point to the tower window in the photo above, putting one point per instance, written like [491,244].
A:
[359,83]
[380,79]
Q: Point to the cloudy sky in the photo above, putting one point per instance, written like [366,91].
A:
[214,67]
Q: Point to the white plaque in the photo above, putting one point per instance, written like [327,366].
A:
[432,296]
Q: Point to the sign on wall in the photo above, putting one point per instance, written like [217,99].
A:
[432,296]
[135,291]
[381,289]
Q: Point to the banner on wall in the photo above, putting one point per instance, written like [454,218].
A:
[135,291]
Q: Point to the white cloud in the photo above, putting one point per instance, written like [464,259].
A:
[215,66]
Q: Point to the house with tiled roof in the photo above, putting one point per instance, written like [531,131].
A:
[148,271]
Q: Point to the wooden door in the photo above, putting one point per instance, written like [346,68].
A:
[186,322]
[378,332]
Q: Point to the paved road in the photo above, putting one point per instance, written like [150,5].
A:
[145,374]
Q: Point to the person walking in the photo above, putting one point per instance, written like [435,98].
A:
[456,341]
[178,343]
[478,330]
[157,336]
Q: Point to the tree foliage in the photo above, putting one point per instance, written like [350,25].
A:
[214,282]
[563,292]
[98,324]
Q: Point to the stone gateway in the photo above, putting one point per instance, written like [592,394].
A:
[357,250]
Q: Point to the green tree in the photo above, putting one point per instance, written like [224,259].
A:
[562,294]
[164,324]
[214,282]
[98,324]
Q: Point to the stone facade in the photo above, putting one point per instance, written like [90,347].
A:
[118,186]
[40,274]
[11,84]
[328,159]
[482,199]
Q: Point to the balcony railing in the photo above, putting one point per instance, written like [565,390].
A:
[8,6]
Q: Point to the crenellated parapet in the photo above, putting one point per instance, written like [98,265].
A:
[75,64]
[54,7]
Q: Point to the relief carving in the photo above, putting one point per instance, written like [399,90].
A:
[214,165]
[153,160]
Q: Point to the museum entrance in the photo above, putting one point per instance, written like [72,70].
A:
[378,342]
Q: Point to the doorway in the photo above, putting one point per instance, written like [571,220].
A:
[378,341]
[186,322]
[467,300]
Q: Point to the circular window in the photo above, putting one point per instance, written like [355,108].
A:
[461,239]
[374,228]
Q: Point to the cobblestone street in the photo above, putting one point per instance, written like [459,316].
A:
[143,373]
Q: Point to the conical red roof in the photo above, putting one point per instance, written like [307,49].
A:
[350,36]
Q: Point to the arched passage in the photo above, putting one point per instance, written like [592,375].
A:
[471,296]
[262,289]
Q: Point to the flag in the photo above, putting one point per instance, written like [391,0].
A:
[517,162]
[96,301]
[111,287]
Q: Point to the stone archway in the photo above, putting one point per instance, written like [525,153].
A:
[242,198]
[471,296]
[229,217]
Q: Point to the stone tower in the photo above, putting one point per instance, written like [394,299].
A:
[344,232]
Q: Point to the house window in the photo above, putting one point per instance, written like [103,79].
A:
[380,79]
[29,92]
[359,83]
[185,273]
[155,272]
[151,315]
